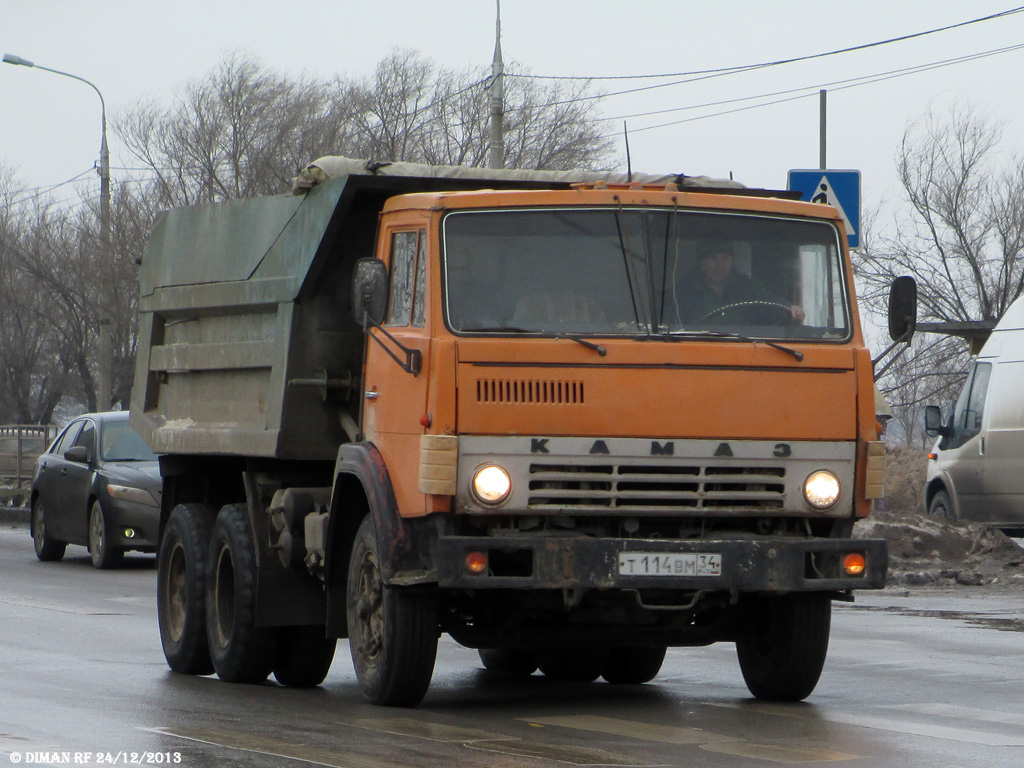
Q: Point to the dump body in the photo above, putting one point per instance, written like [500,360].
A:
[556,420]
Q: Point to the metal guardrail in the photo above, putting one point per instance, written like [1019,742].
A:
[20,446]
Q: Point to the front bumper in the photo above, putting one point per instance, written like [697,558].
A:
[574,562]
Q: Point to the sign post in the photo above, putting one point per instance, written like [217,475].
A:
[838,188]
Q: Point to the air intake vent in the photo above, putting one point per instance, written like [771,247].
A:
[507,391]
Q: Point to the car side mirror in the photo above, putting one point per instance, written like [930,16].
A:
[933,420]
[78,454]
[902,308]
[369,291]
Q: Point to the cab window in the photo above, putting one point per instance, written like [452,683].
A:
[407,305]
[969,410]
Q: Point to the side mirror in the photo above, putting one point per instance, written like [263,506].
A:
[78,454]
[902,308]
[933,420]
[369,291]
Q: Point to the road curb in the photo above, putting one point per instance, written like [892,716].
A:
[10,515]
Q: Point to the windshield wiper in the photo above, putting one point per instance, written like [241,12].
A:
[588,344]
[516,329]
[796,353]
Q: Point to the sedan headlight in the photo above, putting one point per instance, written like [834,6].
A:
[491,484]
[127,493]
[821,489]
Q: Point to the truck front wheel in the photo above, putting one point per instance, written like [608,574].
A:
[392,631]
[634,664]
[241,652]
[181,589]
[782,644]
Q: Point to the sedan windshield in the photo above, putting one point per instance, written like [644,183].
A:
[122,443]
[643,272]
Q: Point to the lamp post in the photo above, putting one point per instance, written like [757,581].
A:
[106,341]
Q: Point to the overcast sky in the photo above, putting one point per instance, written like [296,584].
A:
[141,49]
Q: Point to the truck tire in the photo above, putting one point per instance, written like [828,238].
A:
[181,589]
[941,506]
[634,664]
[240,651]
[48,550]
[304,656]
[577,665]
[782,645]
[392,631]
[101,547]
[521,662]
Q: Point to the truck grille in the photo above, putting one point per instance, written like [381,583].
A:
[656,488]
[530,391]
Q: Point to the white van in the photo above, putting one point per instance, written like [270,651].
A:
[976,469]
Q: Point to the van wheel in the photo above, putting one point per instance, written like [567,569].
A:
[181,589]
[392,631]
[101,540]
[48,550]
[304,656]
[634,664]
[782,644]
[941,506]
[240,651]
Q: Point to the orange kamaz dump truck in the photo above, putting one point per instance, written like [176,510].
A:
[567,419]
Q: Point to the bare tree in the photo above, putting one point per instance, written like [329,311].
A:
[961,235]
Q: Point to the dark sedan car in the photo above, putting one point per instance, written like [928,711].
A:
[98,485]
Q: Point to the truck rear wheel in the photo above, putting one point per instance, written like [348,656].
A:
[304,656]
[241,652]
[578,665]
[509,661]
[181,589]
[392,631]
[634,664]
[782,645]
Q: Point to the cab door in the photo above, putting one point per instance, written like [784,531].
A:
[398,365]
[963,449]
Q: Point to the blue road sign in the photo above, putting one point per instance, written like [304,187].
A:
[833,187]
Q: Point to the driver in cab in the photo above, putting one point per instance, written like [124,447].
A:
[716,291]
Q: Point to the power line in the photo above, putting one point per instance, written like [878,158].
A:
[813,90]
[747,67]
[40,191]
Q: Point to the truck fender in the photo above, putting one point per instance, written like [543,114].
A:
[942,482]
[362,485]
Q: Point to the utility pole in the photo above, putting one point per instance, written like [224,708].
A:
[106,347]
[496,155]
[821,129]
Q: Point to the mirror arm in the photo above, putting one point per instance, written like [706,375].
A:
[897,356]
[413,361]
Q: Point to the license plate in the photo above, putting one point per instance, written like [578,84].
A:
[665,564]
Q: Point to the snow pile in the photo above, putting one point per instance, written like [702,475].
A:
[929,550]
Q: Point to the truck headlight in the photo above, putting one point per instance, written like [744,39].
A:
[821,489]
[491,484]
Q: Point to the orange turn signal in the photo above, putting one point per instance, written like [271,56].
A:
[476,562]
[854,564]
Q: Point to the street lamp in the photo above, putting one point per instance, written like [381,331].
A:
[106,341]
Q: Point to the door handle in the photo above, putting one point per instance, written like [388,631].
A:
[981,446]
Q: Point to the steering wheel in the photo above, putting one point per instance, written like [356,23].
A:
[772,305]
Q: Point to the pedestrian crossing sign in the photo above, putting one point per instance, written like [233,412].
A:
[837,188]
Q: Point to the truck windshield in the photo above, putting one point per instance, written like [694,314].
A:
[607,272]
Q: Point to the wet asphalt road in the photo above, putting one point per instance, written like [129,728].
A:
[919,679]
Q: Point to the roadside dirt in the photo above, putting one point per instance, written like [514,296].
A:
[928,551]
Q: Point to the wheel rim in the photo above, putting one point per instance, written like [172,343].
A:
[39,526]
[224,597]
[96,540]
[175,592]
[369,610]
